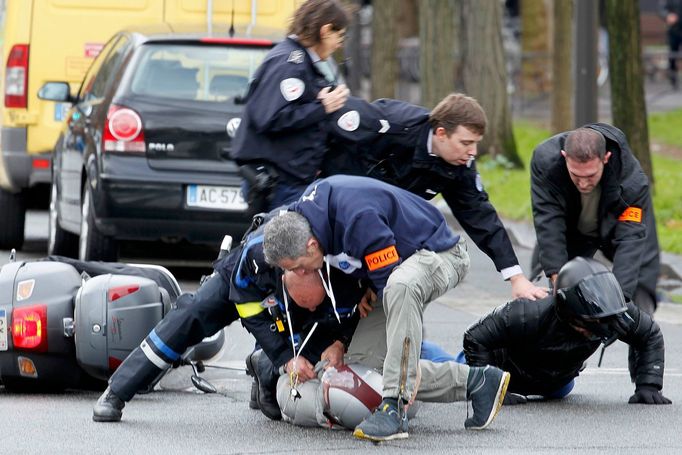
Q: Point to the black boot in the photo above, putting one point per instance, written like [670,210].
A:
[259,366]
[253,401]
[109,407]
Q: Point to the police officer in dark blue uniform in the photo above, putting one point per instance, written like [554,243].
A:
[281,140]
[242,288]
[427,153]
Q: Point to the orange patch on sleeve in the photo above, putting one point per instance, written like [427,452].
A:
[631,214]
[382,258]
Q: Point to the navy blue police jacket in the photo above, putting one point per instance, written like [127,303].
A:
[282,123]
[254,281]
[388,140]
[366,227]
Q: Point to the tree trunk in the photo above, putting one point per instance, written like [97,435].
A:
[484,74]
[534,47]
[437,38]
[628,108]
[408,23]
[562,64]
[384,67]
[350,55]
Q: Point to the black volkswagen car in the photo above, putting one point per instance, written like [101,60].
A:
[144,153]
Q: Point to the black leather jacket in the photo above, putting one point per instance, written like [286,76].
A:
[543,353]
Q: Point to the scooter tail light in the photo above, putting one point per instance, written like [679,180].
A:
[121,291]
[29,328]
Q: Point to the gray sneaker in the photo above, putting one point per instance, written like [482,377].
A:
[385,424]
[486,387]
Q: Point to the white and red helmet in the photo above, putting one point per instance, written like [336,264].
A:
[351,393]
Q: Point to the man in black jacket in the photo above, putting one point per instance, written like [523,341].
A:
[589,193]
[543,344]
[427,153]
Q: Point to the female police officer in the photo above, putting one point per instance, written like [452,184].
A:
[281,140]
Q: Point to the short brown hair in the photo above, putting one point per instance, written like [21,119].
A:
[585,144]
[458,109]
[309,18]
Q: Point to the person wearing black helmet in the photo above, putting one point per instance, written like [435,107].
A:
[544,343]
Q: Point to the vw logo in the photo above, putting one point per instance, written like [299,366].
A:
[232,126]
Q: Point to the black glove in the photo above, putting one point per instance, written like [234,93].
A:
[647,394]
[511,399]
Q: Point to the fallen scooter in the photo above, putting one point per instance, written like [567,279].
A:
[68,324]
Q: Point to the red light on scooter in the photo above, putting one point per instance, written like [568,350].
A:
[114,363]
[29,328]
[122,291]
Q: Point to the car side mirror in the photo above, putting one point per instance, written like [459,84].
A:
[55,91]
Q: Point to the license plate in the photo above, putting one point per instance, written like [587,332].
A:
[60,111]
[215,197]
[3,330]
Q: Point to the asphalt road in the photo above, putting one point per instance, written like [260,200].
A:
[594,418]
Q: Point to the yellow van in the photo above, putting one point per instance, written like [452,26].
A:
[56,40]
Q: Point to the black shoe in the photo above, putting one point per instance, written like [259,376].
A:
[109,407]
[258,365]
[253,401]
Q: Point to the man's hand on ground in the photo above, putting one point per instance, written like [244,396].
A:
[647,394]
[522,288]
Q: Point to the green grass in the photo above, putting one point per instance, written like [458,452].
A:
[509,189]
[665,127]
[676,298]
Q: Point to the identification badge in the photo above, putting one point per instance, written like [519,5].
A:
[291,88]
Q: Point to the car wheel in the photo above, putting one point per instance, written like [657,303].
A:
[12,220]
[59,241]
[93,245]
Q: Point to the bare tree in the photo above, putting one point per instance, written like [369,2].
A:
[562,64]
[534,46]
[437,38]
[384,66]
[351,55]
[628,107]
[484,74]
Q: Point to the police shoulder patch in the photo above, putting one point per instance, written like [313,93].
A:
[296,56]
[291,88]
[633,214]
[382,258]
[479,182]
[349,121]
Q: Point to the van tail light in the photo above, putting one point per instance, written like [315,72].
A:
[16,77]
[123,131]
[29,328]
[122,291]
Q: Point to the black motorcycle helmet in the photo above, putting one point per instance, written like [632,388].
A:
[588,296]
